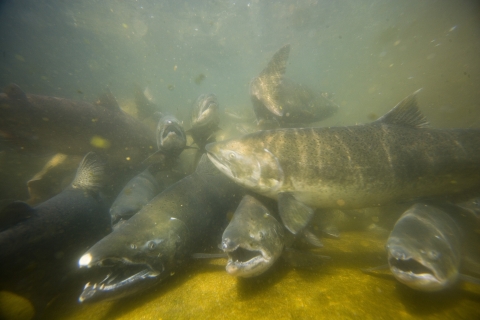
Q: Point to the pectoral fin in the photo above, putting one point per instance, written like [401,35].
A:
[295,215]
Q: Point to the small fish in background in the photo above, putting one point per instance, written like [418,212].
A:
[144,103]
[39,245]
[199,79]
[171,141]
[135,194]
[205,120]
[393,159]
[155,242]
[45,125]
[281,102]
[171,138]
[430,245]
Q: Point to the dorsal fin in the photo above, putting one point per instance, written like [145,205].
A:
[277,65]
[406,113]
[13,91]
[107,100]
[267,84]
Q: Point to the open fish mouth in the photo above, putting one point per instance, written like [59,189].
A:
[123,278]
[247,263]
[171,130]
[414,273]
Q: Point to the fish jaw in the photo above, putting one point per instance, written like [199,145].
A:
[246,261]
[416,272]
[123,279]
[252,167]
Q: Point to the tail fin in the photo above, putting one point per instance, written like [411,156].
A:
[90,173]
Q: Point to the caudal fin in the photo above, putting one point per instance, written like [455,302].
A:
[90,173]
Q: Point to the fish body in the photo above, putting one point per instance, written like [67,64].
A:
[39,252]
[50,124]
[152,244]
[393,159]
[253,239]
[280,101]
[136,193]
[428,245]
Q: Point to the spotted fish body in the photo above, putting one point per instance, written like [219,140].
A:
[395,158]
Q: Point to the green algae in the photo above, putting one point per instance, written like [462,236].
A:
[336,290]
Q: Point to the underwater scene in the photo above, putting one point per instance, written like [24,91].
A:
[242,159]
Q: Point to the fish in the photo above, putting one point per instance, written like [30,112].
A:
[40,245]
[144,103]
[396,158]
[430,245]
[43,124]
[205,119]
[281,102]
[171,138]
[134,195]
[160,238]
[253,239]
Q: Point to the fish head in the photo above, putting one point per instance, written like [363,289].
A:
[421,255]
[171,136]
[247,162]
[205,111]
[136,255]
[253,240]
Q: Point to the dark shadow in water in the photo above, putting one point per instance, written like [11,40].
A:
[425,303]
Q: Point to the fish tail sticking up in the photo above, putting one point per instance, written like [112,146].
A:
[90,173]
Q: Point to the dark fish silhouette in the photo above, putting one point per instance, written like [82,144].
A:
[49,124]
[153,243]
[40,248]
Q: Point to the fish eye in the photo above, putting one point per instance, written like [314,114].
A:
[433,254]
[232,155]
[133,246]
[151,245]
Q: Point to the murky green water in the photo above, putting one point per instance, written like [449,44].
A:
[368,54]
